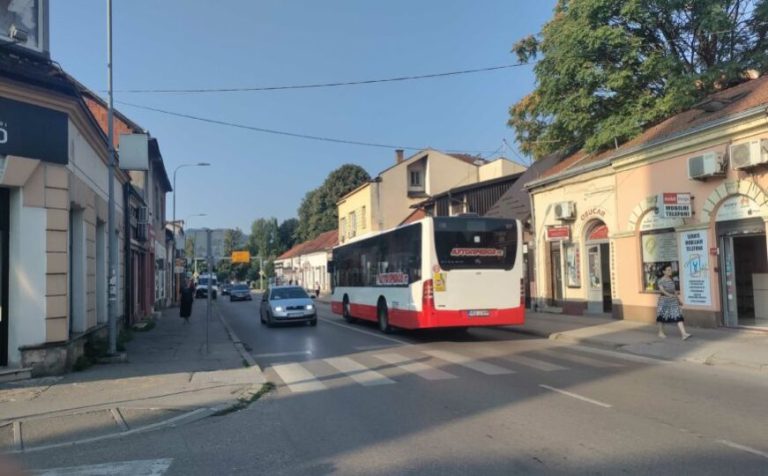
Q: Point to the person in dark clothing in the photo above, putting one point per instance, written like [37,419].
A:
[187,298]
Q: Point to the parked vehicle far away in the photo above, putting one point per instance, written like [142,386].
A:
[225,288]
[240,292]
[285,304]
[204,282]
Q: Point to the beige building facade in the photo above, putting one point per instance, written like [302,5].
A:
[691,193]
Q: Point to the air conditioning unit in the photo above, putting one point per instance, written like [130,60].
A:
[748,154]
[565,210]
[705,165]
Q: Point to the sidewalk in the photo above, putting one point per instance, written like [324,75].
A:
[723,346]
[169,379]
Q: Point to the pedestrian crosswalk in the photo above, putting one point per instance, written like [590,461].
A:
[381,367]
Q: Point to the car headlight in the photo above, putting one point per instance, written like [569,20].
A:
[309,307]
[279,309]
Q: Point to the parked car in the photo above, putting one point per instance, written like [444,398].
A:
[281,304]
[225,288]
[240,292]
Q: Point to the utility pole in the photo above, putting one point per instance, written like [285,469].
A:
[210,287]
[111,219]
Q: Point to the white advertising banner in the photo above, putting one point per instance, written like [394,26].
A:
[694,268]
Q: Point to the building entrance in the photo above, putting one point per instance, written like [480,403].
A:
[599,269]
[744,276]
[4,225]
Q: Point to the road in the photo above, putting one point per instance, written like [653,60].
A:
[350,400]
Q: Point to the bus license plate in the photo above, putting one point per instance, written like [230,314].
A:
[479,313]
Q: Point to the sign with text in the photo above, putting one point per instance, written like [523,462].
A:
[33,132]
[694,268]
[737,207]
[558,233]
[241,257]
[674,205]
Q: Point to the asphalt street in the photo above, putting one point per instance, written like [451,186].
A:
[350,400]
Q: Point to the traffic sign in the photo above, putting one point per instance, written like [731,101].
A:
[241,257]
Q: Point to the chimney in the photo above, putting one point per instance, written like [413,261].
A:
[399,156]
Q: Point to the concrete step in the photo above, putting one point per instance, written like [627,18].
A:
[14,374]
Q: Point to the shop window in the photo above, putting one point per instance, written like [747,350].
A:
[659,248]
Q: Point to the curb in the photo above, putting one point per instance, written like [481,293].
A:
[237,342]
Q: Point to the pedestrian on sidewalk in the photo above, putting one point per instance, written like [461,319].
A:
[317,289]
[669,306]
[187,298]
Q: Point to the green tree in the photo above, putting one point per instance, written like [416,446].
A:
[233,241]
[265,238]
[317,212]
[287,232]
[607,69]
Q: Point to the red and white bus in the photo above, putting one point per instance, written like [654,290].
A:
[463,271]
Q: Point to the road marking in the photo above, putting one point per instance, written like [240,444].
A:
[358,372]
[373,347]
[363,331]
[574,395]
[743,448]
[297,378]
[458,359]
[621,355]
[580,359]
[18,441]
[534,363]
[284,354]
[418,368]
[149,467]
[119,419]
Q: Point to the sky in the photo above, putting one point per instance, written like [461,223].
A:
[205,44]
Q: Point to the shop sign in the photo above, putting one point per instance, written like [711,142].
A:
[674,205]
[652,221]
[737,207]
[558,233]
[592,212]
[694,272]
[33,132]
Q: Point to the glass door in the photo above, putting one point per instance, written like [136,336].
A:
[595,284]
[4,222]
[728,266]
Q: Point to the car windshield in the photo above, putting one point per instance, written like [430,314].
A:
[288,293]
[240,287]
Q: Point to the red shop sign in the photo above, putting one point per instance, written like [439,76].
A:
[558,233]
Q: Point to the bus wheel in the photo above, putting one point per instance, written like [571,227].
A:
[345,311]
[384,318]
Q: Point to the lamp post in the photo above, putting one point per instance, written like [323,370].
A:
[111,218]
[198,164]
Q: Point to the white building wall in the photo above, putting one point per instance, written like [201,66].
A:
[27,281]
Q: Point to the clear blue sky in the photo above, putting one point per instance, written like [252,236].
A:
[248,43]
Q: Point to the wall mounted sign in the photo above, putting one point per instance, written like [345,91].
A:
[653,221]
[737,207]
[593,213]
[694,268]
[674,205]
[558,233]
[33,132]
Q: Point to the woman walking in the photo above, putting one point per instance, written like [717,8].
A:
[187,298]
[668,309]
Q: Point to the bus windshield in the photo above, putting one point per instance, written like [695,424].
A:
[475,243]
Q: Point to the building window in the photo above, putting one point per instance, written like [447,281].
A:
[415,178]
[659,248]
[352,224]
[343,229]
[363,218]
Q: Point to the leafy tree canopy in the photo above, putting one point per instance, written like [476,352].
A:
[609,68]
[317,212]
[265,238]
[287,232]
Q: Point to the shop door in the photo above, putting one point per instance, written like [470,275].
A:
[595,294]
[745,280]
[556,296]
[4,208]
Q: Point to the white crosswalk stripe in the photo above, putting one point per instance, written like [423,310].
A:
[418,368]
[297,378]
[535,363]
[468,362]
[358,372]
[149,467]
[581,359]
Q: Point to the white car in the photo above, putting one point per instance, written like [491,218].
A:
[204,282]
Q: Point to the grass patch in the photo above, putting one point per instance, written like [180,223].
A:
[81,363]
[145,326]
[125,336]
[247,399]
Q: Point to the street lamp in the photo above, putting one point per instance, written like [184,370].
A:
[198,164]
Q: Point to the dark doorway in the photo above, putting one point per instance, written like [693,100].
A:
[750,261]
[605,270]
[4,225]
[556,272]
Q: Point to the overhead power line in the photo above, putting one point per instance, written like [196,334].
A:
[286,133]
[321,85]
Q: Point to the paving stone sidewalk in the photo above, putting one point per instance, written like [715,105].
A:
[171,378]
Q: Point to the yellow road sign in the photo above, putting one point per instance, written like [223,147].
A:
[241,257]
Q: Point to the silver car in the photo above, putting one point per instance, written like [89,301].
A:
[287,304]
